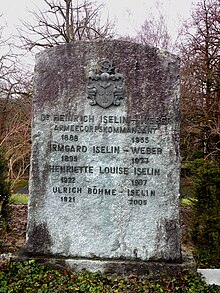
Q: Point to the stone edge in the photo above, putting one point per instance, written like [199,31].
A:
[119,267]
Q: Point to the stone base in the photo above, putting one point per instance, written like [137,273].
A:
[119,267]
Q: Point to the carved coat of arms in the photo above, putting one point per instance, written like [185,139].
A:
[105,86]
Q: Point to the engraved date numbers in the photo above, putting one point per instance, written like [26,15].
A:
[141,139]
[70,137]
[68,179]
[69,158]
[68,199]
[140,160]
[139,182]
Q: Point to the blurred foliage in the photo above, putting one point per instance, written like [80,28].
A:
[206,212]
[20,183]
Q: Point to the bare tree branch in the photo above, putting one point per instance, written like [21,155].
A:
[200,86]
[62,22]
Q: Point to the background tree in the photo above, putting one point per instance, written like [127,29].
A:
[65,21]
[200,137]
[155,31]
[15,101]
[200,86]
[4,190]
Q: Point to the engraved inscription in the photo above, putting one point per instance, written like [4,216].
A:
[106,149]
[112,169]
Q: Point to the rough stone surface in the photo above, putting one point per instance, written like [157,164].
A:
[151,270]
[105,177]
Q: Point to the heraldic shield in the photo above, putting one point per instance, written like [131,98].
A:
[105,86]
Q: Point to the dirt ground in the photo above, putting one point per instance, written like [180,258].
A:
[15,238]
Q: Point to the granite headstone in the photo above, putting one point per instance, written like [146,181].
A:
[105,162]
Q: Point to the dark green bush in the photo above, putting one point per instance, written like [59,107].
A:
[206,208]
[4,190]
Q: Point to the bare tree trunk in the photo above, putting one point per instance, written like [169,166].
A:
[68,22]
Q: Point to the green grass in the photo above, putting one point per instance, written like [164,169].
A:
[18,199]
[187,201]
[28,276]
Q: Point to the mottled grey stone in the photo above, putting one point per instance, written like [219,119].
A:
[105,173]
[148,269]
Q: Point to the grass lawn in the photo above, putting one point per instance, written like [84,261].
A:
[18,199]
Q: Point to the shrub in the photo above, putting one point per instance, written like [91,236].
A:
[206,223]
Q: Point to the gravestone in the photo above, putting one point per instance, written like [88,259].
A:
[104,184]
